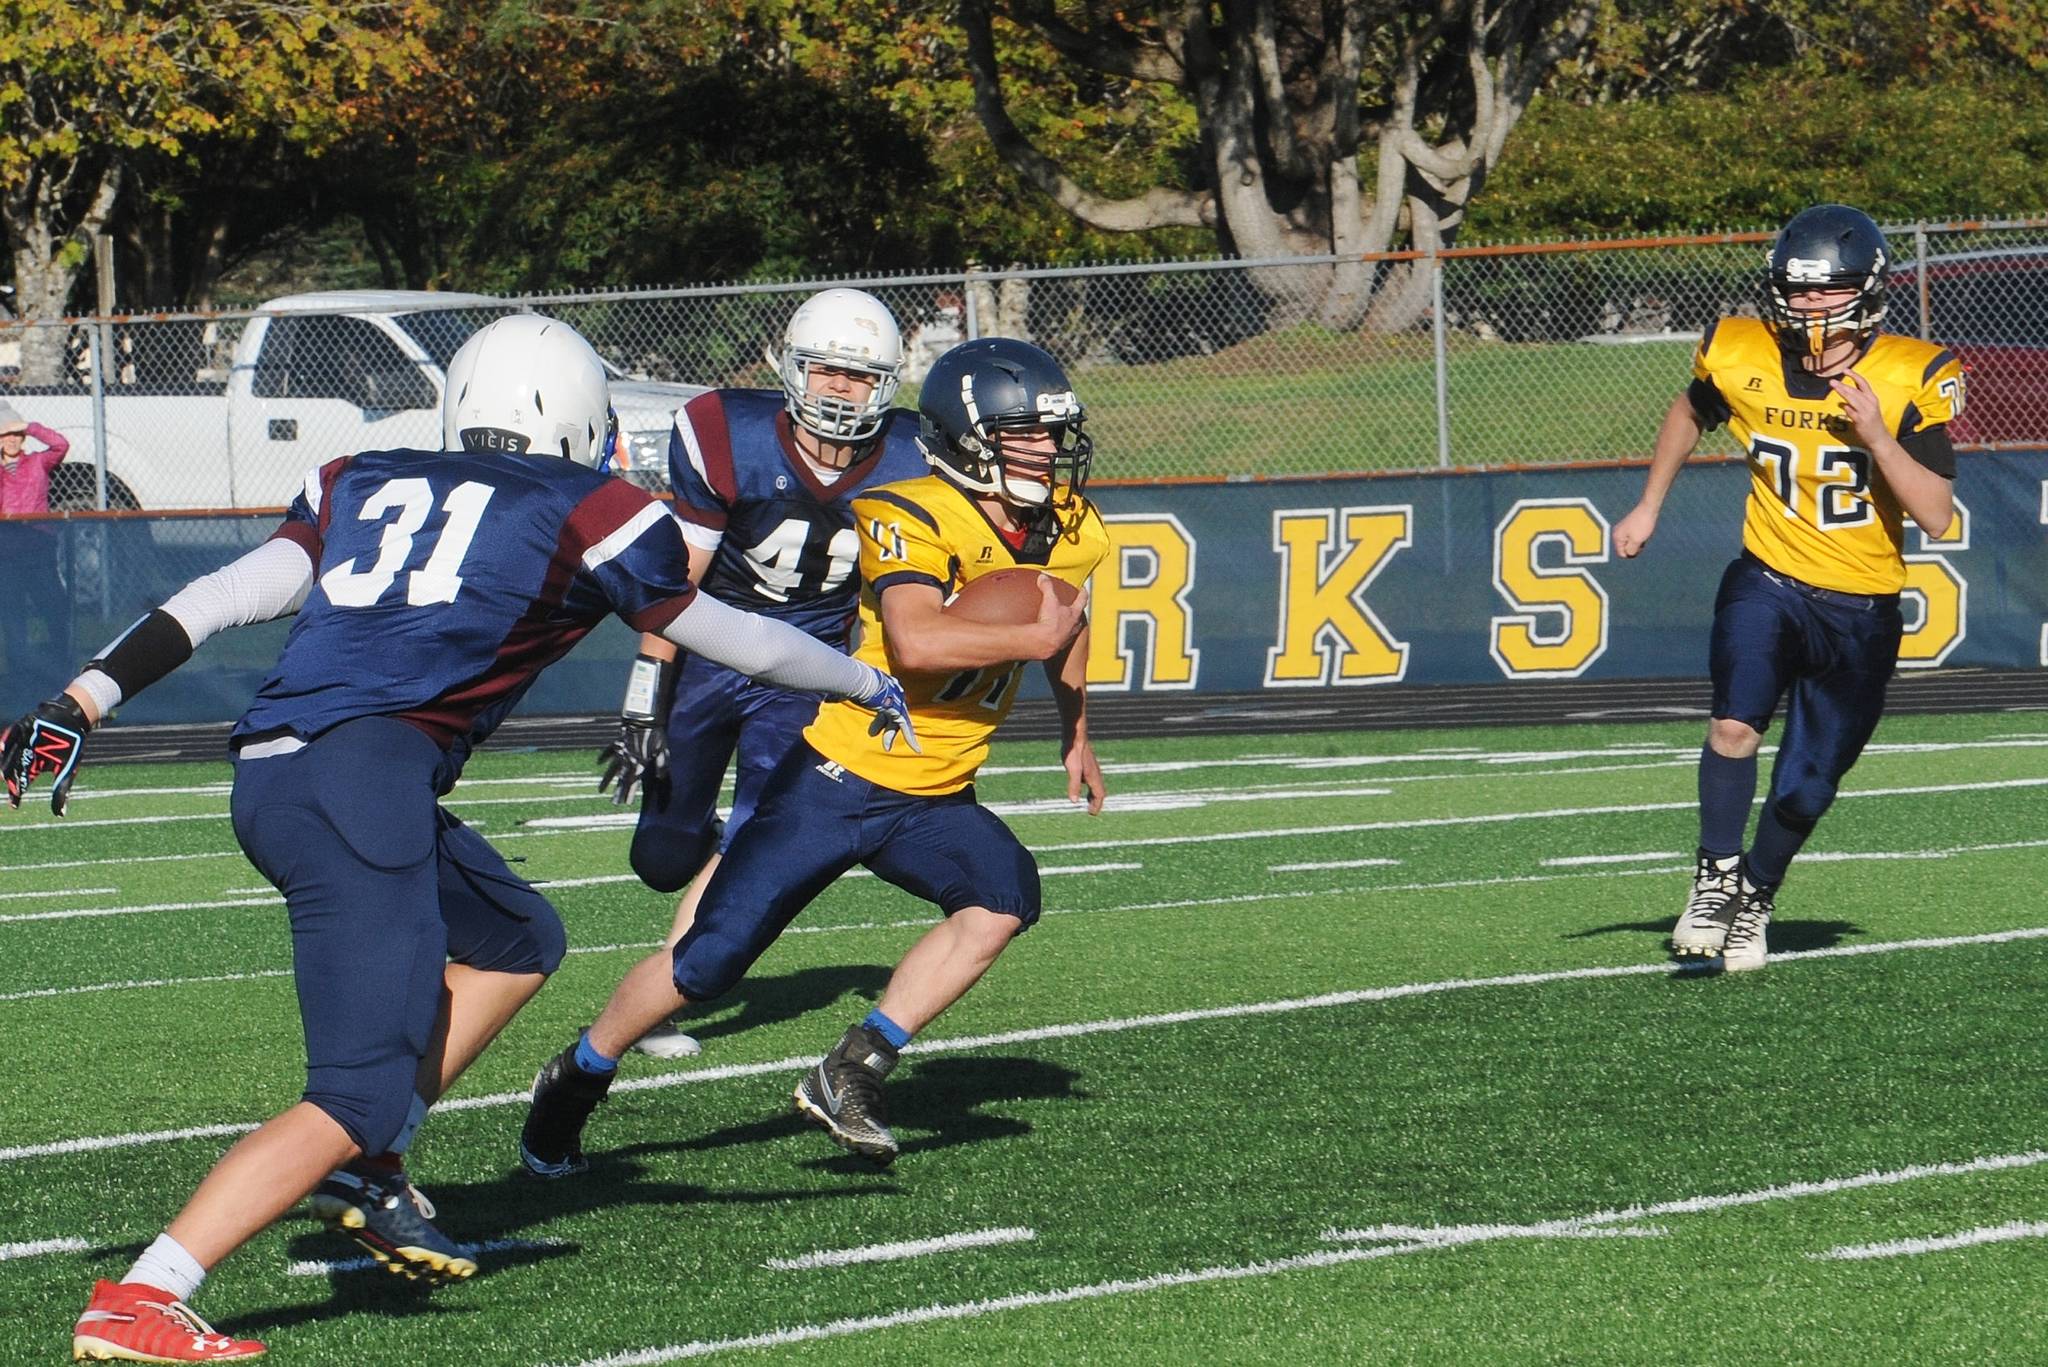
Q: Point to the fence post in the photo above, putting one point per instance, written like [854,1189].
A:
[1436,333]
[1920,275]
[96,339]
[971,318]
[103,354]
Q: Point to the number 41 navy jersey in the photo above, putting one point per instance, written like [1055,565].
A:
[785,541]
[444,583]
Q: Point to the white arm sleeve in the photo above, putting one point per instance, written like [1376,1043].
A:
[269,582]
[771,651]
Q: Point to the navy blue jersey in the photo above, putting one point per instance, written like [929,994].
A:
[786,545]
[444,584]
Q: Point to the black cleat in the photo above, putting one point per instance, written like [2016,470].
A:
[843,1092]
[393,1219]
[551,1143]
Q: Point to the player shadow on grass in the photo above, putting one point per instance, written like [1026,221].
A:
[1785,936]
[771,1000]
[486,1212]
[943,1101]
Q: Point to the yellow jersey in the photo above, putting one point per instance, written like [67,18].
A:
[1818,509]
[929,531]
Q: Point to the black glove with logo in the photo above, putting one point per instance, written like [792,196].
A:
[49,740]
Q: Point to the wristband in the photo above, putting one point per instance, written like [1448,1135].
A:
[650,688]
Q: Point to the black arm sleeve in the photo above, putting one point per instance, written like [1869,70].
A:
[144,653]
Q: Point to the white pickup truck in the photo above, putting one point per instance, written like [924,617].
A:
[312,377]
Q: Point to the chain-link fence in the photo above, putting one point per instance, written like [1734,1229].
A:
[1479,357]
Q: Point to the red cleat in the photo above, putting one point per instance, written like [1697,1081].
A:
[130,1322]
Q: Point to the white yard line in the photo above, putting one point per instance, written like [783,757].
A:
[1334,864]
[909,1248]
[1427,755]
[68,824]
[960,1044]
[38,1247]
[34,993]
[1906,1248]
[58,892]
[1572,861]
[120,861]
[75,912]
[1179,904]
[1423,1241]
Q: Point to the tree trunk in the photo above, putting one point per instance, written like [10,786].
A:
[47,264]
[1276,86]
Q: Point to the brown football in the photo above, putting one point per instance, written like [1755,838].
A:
[1007,597]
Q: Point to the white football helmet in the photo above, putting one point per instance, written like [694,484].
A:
[528,384]
[846,330]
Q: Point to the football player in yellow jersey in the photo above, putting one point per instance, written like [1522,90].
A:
[1846,431]
[1003,431]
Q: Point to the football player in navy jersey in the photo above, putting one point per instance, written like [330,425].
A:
[431,588]
[1846,430]
[764,485]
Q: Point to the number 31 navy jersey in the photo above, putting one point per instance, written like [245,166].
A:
[444,583]
[785,541]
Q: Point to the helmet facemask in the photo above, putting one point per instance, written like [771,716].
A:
[1042,488]
[1810,332]
[846,330]
[827,415]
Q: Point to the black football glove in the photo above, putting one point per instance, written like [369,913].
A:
[48,740]
[638,755]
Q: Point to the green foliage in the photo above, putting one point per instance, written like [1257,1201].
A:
[1700,161]
[785,138]
[98,80]
[690,181]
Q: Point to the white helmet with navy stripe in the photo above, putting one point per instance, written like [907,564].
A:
[526,384]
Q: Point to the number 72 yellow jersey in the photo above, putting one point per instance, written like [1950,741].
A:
[928,531]
[1818,508]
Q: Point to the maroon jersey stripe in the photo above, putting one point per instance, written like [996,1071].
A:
[706,416]
[540,636]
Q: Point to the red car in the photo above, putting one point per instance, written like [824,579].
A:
[1991,307]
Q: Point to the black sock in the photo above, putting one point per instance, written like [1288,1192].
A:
[1727,789]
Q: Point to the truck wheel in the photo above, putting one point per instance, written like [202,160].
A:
[71,490]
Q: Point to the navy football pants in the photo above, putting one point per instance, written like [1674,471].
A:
[715,711]
[1833,653]
[383,888]
[815,821]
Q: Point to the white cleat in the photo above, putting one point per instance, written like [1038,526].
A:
[1703,928]
[665,1041]
[1745,947]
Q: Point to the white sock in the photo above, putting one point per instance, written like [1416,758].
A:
[167,1266]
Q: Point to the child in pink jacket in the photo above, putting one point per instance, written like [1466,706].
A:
[25,474]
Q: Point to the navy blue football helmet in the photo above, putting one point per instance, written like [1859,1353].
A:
[1830,246]
[980,390]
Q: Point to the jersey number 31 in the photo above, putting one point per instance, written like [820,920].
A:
[440,579]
